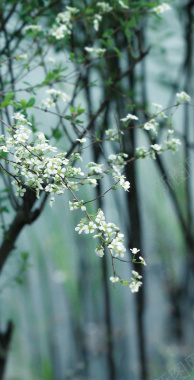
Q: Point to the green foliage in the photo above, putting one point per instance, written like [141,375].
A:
[7,100]
[57,134]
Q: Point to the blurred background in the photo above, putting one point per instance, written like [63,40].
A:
[69,321]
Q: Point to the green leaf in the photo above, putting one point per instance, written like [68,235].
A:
[4,209]
[7,99]
[23,103]
[4,104]
[9,96]
[80,111]
[72,109]
[57,133]
[31,102]
[18,281]
[29,84]
[79,121]
[25,256]
[3,154]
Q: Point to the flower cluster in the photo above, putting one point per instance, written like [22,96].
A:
[161,8]
[135,282]
[55,96]
[32,28]
[96,22]
[63,26]
[110,237]
[120,179]
[113,134]
[151,126]
[37,164]
[109,234]
[123,5]
[173,144]
[118,159]
[77,204]
[183,97]
[99,51]
[104,7]
[141,152]
[129,117]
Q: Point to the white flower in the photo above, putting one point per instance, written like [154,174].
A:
[41,137]
[77,204]
[183,96]
[80,227]
[112,157]
[114,279]
[157,148]
[34,28]
[22,134]
[124,184]
[96,21]
[110,132]
[142,260]
[4,148]
[157,105]
[162,8]
[134,286]
[52,200]
[47,103]
[19,116]
[97,51]
[150,125]
[123,5]
[64,17]
[118,160]
[95,168]
[117,246]
[93,182]
[60,32]
[52,91]
[170,131]
[81,140]
[163,115]
[20,191]
[72,10]
[64,97]
[136,274]
[173,144]
[23,56]
[99,251]
[104,6]
[141,152]
[97,235]
[129,117]
[134,250]
[100,217]
[73,205]
[56,94]
[89,228]
[52,60]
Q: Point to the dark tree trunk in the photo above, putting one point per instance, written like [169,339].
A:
[106,293]
[5,338]
[25,215]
